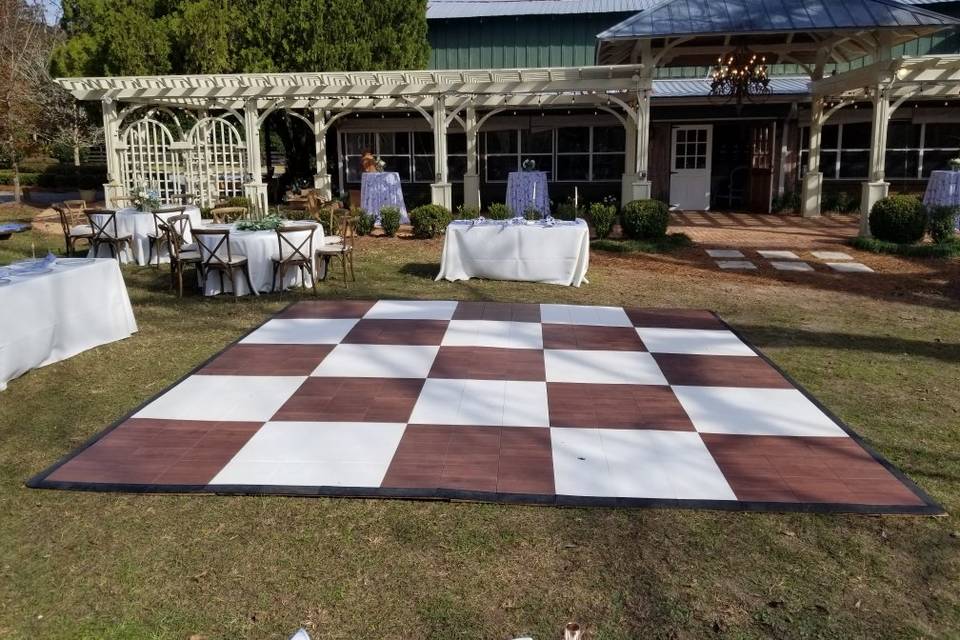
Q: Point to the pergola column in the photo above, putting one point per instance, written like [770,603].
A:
[876,188]
[641,186]
[321,177]
[813,179]
[441,191]
[114,189]
[471,179]
[254,188]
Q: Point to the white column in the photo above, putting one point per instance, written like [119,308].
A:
[114,188]
[254,189]
[641,186]
[876,188]
[321,178]
[471,179]
[441,191]
[630,161]
[813,179]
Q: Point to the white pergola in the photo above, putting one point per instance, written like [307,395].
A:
[220,104]
[887,84]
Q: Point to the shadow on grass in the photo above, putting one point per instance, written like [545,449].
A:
[425,270]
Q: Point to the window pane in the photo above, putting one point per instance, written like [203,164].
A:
[573,167]
[359,143]
[537,142]
[828,137]
[423,143]
[544,163]
[901,164]
[805,137]
[400,164]
[424,169]
[353,169]
[856,135]
[456,143]
[942,135]
[854,164]
[456,167]
[608,166]
[387,143]
[903,135]
[501,141]
[573,139]
[609,139]
[936,161]
[828,161]
[499,166]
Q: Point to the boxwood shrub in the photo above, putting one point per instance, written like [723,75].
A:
[899,219]
[390,220]
[942,223]
[430,220]
[645,219]
[365,222]
[603,216]
[499,211]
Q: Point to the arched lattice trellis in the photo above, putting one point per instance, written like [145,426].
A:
[148,159]
[216,160]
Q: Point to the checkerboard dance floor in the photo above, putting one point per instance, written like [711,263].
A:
[549,404]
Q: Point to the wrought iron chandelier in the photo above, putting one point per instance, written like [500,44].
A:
[740,75]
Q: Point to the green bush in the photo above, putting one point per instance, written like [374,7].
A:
[645,219]
[430,220]
[26,179]
[467,213]
[532,213]
[899,219]
[942,223]
[235,201]
[364,223]
[788,202]
[499,211]
[946,249]
[390,220]
[603,216]
[567,211]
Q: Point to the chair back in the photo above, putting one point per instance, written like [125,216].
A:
[75,209]
[296,242]
[165,213]
[103,222]
[64,217]
[223,215]
[178,227]
[346,222]
[214,247]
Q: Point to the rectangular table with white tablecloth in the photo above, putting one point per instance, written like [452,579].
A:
[52,315]
[552,252]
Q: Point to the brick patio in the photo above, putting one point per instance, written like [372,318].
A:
[749,230]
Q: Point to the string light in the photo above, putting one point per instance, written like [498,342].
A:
[740,75]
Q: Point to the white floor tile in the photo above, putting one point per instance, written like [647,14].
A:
[849,267]
[377,361]
[724,253]
[714,342]
[579,463]
[493,333]
[412,310]
[301,331]
[735,410]
[790,265]
[577,314]
[831,255]
[238,398]
[778,254]
[482,402]
[346,454]
[602,367]
[736,264]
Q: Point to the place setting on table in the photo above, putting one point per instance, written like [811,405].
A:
[532,246]
[64,306]
[7,229]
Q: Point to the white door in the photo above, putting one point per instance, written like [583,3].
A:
[690,151]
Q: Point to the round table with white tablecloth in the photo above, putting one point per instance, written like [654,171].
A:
[259,248]
[139,225]
[379,189]
[528,190]
[943,190]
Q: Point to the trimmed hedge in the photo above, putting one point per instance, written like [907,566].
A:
[467,213]
[26,179]
[365,222]
[942,223]
[566,211]
[430,220]
[645,219]
[898,219]
[390,220]
[603,216]
[499,211]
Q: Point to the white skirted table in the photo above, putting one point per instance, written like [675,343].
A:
[379,189]
[61,309]
[140,224]
[528,190]
[259,248]
[943,190]
[552,252]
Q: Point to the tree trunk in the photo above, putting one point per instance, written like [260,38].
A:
[16,182]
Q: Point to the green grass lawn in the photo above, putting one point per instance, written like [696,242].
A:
[98,565]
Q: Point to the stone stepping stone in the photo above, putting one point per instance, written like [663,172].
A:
[736,264]
[778,255]
[724,253]
[790,265]
[849,267]
[831,255]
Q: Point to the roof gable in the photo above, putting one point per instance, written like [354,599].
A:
[438,9]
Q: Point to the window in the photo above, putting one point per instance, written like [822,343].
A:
[409,153]
[567,154]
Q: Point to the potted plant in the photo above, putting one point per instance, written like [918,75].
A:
[954,163]
[88,189]
[528,165]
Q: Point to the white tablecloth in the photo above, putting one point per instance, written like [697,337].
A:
[138,224]
[53,316]
[528,189]
[382,189]
[530,251]
[259,247]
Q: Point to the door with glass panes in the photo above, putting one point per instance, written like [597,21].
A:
[690,151]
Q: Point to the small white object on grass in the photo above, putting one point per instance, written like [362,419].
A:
[301,634]
[736,264]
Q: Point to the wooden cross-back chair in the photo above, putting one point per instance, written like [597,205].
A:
[103,225]
[216,254]
[295,244]
[342,250]
[223,215]
[180,254]
[157,238]
[73,223]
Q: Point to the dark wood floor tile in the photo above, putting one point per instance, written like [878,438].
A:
[268,360]
[572,336]
[719,371]
[399,332]
[502,311]
[674,318]
[319,309]
[483,363]
[616,407]
[352,400]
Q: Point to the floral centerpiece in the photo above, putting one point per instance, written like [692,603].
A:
[380,164]
[954,163]
[271,222]
[528,165]
[145,198]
